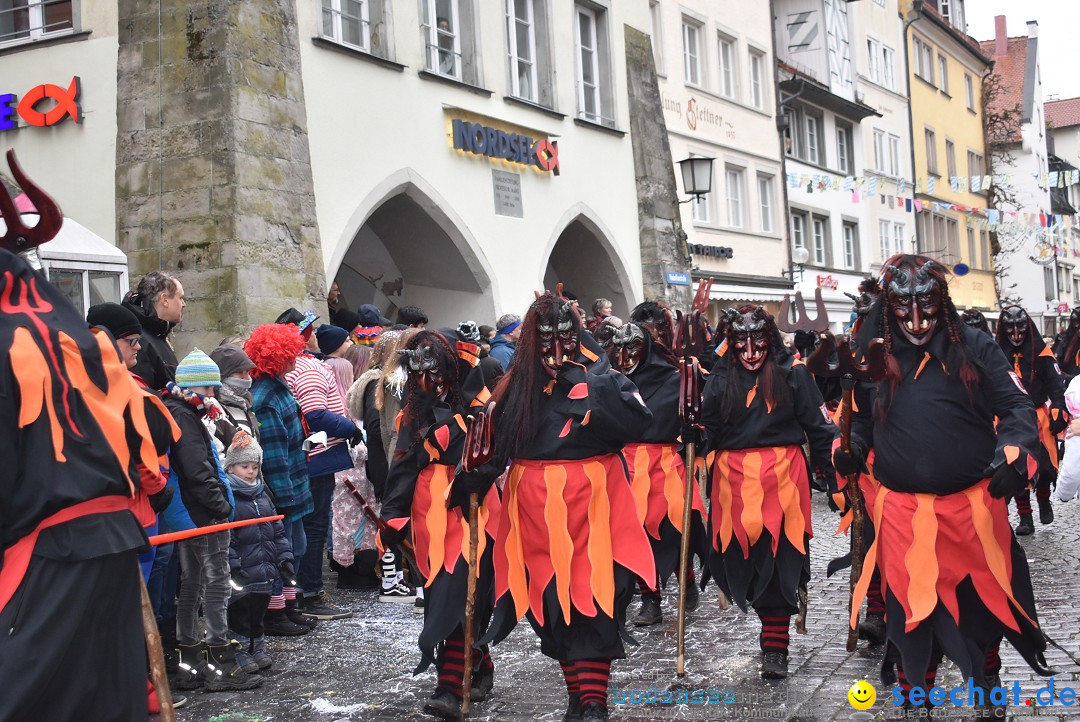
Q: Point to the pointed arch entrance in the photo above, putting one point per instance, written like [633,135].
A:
[586,262]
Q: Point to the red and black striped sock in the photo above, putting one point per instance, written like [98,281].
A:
[875,601]
[690,575]
[569,672]
[1023,502]
[593,676]
[992,664]
[774,632]
[928,681]
[451,666]
[485,664]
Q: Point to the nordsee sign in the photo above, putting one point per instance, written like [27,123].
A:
[480,139]
[678,278]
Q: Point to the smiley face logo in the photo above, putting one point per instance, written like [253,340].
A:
[862,695]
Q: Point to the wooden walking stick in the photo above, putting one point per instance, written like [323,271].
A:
[691,333]
[157,657]
[849,370]
[479,449]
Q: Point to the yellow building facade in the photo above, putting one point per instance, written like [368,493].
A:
[946,70]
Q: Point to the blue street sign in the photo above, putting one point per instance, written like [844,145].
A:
[678,278]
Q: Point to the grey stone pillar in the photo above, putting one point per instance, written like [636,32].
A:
[213,172]
[663,244]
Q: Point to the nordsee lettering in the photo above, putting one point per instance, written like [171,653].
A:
[484,140]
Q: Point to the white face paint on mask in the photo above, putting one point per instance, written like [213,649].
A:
[238,384]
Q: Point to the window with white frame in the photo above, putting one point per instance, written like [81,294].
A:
[879,150]
[950,158]
[798,229]
[888,68]
[757,82]
[28,20]
[931,151]
[820,242]
[765,202]
[898,238]
[521,48]
[85,287]
[873,52]
[924,60]
[952,229]
[976,164]
[691,38]
[943,73]
[844,148]
[733,182]
[814,152]
[953,13]
[972,242]
[984,241]
[657,14]
[802,136]
[343,21]
[851,245]
[728,72]
[884,239]
[969,92]
[450,39]
[596,99]
[893,168]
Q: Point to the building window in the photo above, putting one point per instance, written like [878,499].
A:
[802,137]
[521,48]
[757,88]
[728,72]
[596,100]
[691,39]
[898,238]
[888,67]
[973,242]
[943,74]
[879,150]
[953,230]
[976,164]
[924,60]
[884,240]
[346,22]
[798,229]
[813,140]
[873,52]
[733,181]
[1049,283]
[931,152]
[851,245]
[765,202]
[657,34]
[28,20]
[819,250]
[894,156]
[843,148]
[969,92]
[450,39]
[953,12]
[950,158]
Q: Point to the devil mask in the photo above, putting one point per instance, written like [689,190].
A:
[976,320]
[426,365]
[557,334]
[914,300]
[1014,325]
[749,334]
[631,347]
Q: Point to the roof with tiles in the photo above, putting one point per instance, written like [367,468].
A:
[1063,113]
[1009,69]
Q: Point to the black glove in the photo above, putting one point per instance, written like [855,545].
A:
[1006,482]
[238,580]
[846,463]
[1060,423]
[159,502]
[473,483]
[692,435]
[357,437]
[288,573]
[391,536]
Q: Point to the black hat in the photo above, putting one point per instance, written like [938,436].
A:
[115,318]
[330,338]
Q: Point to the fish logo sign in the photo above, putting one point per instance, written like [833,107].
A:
[33,110]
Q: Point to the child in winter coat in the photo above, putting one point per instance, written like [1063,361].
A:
[1068,481]
[257,553]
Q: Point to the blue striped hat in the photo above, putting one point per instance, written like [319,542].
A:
[197,369]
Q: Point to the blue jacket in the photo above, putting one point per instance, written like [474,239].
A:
[281,435]
[255,551]
[502,349]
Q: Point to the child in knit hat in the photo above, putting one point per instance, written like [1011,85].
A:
[257,553]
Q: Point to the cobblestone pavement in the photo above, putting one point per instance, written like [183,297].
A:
[360,668]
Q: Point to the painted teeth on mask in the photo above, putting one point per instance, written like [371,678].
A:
[924,325]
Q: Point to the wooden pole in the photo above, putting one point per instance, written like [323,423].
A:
[684,557]
[470,602]
[157,658]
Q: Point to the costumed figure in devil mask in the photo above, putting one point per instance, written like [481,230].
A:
[1035,365]
[759,407]
[954,577]
[657,471]
[424,490]
[1067,348]
[570,547]
[975,318]
[75,429]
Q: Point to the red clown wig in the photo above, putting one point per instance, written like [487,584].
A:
[273,348]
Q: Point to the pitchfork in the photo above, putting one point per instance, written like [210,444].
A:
[872,368]
[19,237]
[802,321]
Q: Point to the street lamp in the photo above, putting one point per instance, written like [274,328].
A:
[696,176]
[799,257]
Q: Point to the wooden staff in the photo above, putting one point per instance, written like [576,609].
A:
[157,658]
[470,602]
[684,559]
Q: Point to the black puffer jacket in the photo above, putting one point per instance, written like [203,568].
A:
[194,459]
[157,360]
[255,551]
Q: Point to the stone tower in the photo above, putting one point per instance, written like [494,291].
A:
[213,172]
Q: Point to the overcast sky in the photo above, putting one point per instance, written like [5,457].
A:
[1059,21]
